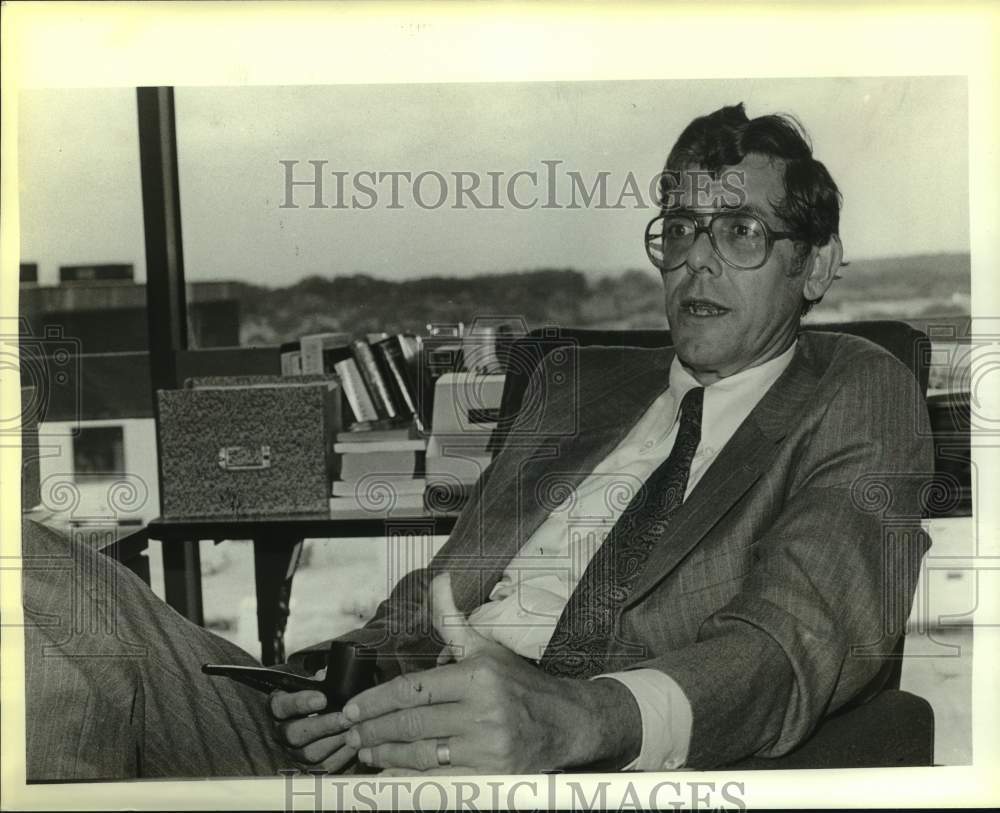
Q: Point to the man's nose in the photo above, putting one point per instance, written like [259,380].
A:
[702,257]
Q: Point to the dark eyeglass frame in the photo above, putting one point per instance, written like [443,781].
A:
[771,236]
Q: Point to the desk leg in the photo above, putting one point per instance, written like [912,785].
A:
[274,563]
[182,578]
[139,564]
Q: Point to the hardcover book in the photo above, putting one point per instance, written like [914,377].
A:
[369,447]
[397,485]
[356,394]
[314,350]
[366,433]
[391,357]
[378,387]
[383,503]
[401,464]
[291,358]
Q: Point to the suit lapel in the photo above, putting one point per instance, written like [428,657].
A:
[511,511]
[742,461]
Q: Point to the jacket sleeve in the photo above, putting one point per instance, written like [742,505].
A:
[830,589]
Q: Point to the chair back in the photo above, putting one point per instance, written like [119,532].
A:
[524,354]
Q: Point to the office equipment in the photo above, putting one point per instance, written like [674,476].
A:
[257,448]
[466,411]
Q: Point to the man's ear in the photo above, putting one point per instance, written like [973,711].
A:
[822,267]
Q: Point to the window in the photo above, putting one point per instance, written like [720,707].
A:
[99,450]
[82,296]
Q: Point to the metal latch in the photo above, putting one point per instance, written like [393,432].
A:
[244,458]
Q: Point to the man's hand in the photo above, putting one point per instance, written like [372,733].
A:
[310,737]
[496,712]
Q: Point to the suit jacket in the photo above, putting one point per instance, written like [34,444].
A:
[778,587]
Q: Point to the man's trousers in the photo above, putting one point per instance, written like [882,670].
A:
[114,687]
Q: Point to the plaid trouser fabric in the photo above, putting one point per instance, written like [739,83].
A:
[114,687]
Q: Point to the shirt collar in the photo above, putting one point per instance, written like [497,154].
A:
[761,375]
[729,400]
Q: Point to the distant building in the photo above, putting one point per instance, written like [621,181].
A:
[29,273]
[108,272]
[103,307]
[97,457]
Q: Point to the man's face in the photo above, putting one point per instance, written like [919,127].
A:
[725,319]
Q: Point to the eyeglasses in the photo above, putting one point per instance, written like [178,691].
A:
[743,240]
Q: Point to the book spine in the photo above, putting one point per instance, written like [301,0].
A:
[402,487]
[363,435]
[310,356]
[380,504]
[313,346]
[291,363]
[355,392]
[372,376]
[389,464]
[367,447]
[420,380]
[390,353]
[291,358]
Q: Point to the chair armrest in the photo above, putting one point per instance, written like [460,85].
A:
[894,730]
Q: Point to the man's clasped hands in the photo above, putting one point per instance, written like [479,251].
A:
[482,709]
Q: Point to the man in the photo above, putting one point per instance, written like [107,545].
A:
[674,563]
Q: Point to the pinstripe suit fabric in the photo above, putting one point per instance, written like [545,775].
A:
[783,580]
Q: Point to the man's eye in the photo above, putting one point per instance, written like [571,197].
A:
[745,230]
[677,230]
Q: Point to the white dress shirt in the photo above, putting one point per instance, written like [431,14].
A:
[525,605]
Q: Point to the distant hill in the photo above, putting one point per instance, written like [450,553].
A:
[938,284]
[907,287]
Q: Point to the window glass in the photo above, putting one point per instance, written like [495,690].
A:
[83,329]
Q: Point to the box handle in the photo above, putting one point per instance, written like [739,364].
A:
[244,458]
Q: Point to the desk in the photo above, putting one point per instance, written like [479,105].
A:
[126,543]
[277,544]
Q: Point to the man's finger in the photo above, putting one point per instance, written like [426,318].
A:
[337,761]
[285,705]
[442,684]
[410,725]
[421,756]
[304,730]
[451,770]
[453,627]
[319,750]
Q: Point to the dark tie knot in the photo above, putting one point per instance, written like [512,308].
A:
[691,406]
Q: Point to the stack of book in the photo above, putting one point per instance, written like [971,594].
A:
[378,375]
[381,470]
[381,456]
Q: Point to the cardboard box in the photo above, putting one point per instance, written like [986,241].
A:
[260,448]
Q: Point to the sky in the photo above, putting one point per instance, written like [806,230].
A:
[897,147]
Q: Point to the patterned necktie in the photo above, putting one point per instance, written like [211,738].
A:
[581,641]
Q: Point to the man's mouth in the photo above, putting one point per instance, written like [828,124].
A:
[703,307]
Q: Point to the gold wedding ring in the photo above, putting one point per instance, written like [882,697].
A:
[443,753]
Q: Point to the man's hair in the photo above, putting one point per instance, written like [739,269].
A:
[811,205]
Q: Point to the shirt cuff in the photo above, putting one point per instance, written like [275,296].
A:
[666,719]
